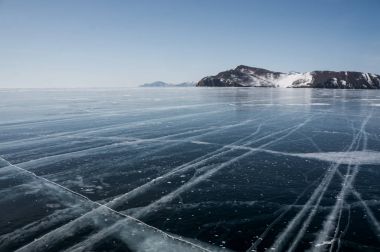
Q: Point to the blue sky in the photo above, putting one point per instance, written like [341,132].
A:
[82,43]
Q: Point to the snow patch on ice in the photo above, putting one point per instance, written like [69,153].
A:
[324,243]
[308,104]
[200,142]
[352,157]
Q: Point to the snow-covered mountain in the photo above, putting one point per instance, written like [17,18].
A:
[245,76]
[165,84]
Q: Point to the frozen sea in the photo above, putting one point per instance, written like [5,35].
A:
[189,169]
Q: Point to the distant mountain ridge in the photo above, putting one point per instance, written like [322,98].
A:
[165,84]
[246,76]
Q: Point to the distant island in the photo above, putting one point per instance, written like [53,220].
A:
[246,76]
[165,84]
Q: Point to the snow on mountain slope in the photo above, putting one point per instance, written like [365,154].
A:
[276,79]
[245,76]
[294,79]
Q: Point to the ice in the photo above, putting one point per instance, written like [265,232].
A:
[352,157]
[201,169]
[334,217]
[156,238]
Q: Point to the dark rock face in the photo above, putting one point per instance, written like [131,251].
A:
[241,76]
[345,80]
[245,76]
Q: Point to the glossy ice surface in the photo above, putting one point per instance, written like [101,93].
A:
[190,169]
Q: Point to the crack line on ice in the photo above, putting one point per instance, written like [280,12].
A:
[194,181]
[80,153]
[317,196]
[120,198]
[99,206]
[330,221]
[306,223]
[270,135]
[124,125]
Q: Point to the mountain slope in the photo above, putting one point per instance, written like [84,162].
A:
[245,76]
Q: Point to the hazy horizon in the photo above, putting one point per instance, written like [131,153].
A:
[51,44]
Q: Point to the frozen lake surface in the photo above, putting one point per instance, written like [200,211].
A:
[190,169]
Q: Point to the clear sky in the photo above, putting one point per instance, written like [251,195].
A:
[80,43]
